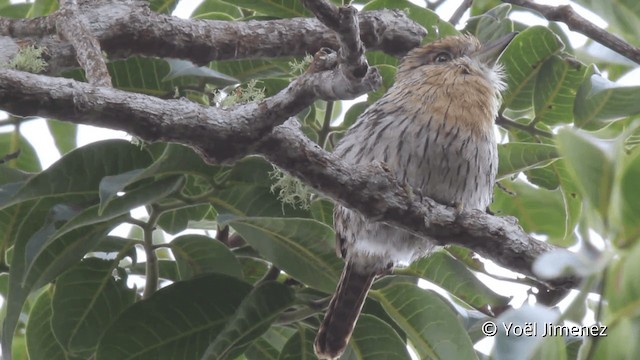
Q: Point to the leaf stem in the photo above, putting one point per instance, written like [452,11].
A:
[326,125]
[507,123]
[151,266]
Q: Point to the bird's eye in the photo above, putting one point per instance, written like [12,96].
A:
[443,57]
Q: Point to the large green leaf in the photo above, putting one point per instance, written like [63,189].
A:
[555,90]
[269,345]
[163,6]
[177,322]
[27,160]
[302,248]
[254,316]
[528,318]
[591,161]
[492,24]
[374,339]
[445,271]
[432,327]
[86,300]
[247,192]
[538,210]
[199,254]
[299,346]
[64,135]
[623,288]
[516,157]
[208,8]
[436,27]
[31,218]
[275,8]
[522,60]
[600,102]
[625,210]
[622,16]
[80,171]
[42,344]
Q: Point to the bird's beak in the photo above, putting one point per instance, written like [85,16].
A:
[490,51]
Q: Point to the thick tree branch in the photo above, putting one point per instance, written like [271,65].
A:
[222,135]
[575,22]
[128,27]
[376,193]
[73,27]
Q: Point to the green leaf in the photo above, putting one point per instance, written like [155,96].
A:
[436,27]
[269,345]
[600,102]
[322,211]
[555,90]
[31,218]
[64,135]
[80,171]
[522,59]
[163,6]
[199,254]
[492,24]
[247,192]
[432,327]
[538,210]
[302,248]
[42,344]
[120,206]
[299,346]
[591,161]
[275,8]
[527,317]
[625,211]
[623,289]
[516,157]
[43,8]
[622,17]
[254,316]
[245,70]
[177,321]
[208,7]
[450,274]
[27,159]
[178,68]
[374,339]
[86,300]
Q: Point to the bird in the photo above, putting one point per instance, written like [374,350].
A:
[434,130]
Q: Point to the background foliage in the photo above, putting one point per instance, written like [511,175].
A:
[73,291]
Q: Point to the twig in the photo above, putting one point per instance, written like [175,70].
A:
[344,22]
[152,270]
[575,22]
[457,15]
[74,27]
[531,129]
[326,125]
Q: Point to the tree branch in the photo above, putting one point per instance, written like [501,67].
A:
[73,27]
[457,15]
[219,134]
[575,22]
[127,27]
[376,194]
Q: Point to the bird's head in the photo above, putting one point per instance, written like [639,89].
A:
[454,78]
[457,55]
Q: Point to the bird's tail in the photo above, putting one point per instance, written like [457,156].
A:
[343,312]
